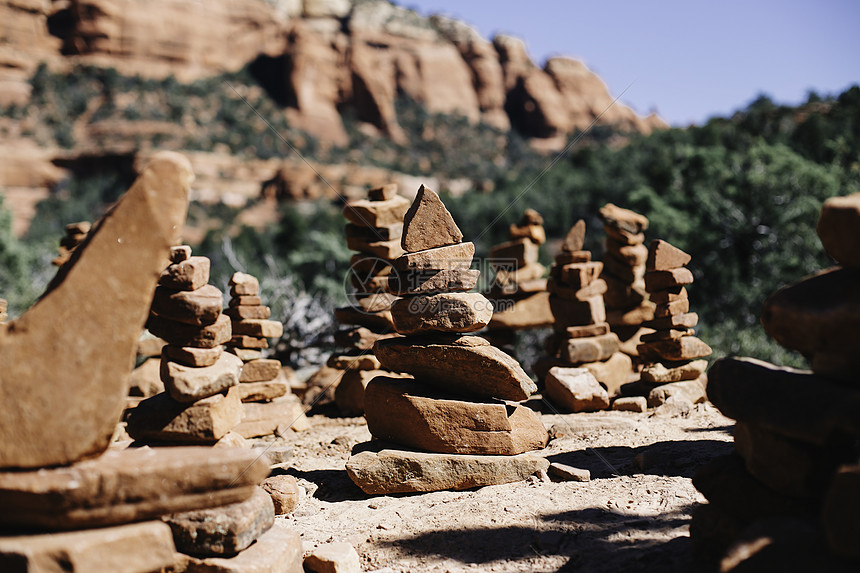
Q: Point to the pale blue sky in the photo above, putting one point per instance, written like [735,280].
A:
[688,60]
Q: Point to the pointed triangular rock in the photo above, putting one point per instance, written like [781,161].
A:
[575,238]
[428,224]
[664,257]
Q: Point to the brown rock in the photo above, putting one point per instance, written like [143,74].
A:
[621,270]
[579,275]
[530,312]
[514,254]
[411,414]
[134,548]
[818,314]
[279,550]
[587,330]
[838,229]
[428,224]
[623,237]
[243,312]
[630,255]
[63,402]
[596,288]
[664,257]
[620,294]
[452,257]
[374,320]
[376,302]
[389,249]
[189,274]
[182,334]
[349,394]
[382,192]
[684,348]
[575,390]
[382,469]
[623,219]
[189,384]
[668,295]
[672,308]
[249,342]
[692,391]
[198,307]
[669,334]
[432,281]
[442,312]
[262,391]
[480,370]
[284,491]
[178,253]
[258,328]
[840,510]
[575,238]
[161,418]
[577,313]
[243,284]
[128,485]
[591,349]
[659,280]
[245,300]
[260,370]
[534,233]
[145,380]
[360,362]
[658,373]
[630,316]
[613,374]
[676,321]
[224,530]
[191,356]
[565,258]
[630,404]
[373,234]
[265,418]
[565,472]
[333,558]
[360,338]
[377,213]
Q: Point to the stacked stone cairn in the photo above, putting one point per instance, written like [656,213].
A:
[75,235]
[674,358]
[627,304]
[590,369]
[788,497]
[269,405]
[201,403]
[457,424]
[68,502]
[519,288]
[374,228]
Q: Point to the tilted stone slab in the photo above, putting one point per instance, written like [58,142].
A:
[382,469]
[199,307]
[468,365]
[279,550]
[188,274]
[128,485]
[61,392]
[411,414]
[181,334]
[442,312]
[377,213]
[575,390]
[450,258]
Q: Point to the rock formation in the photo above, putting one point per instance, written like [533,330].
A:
[789,493]
[457,424]
[75,235]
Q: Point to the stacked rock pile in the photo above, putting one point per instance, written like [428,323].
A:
[75,235]
[788,498]
[673,356]
[627,304]
[269,405]
[519,288]
[201,403]
[457,424]
[373,230]
[67,503]
[582,336]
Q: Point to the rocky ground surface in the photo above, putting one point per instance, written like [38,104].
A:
[633,515]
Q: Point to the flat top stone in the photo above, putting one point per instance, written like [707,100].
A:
[663,257]
[623,219]
[63,401]
[839,229]
[428,224]
[575,238]
[239,278]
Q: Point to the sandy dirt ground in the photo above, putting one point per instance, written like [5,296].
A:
[632,516]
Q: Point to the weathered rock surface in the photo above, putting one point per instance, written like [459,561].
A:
[432,281]
[468,365]
[663,256]
[199,307]
[279,550]
[284,491]
[575,390]
[428,224]
[452,258]
[442,312]
[692,391]
[128,485]
[189,383]
[63,401]
[333,558]
[382,469]
[591,349]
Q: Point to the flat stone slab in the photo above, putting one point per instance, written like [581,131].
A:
[128,485]
[623,219]
[449,258]
[577,313]
[191,356]
[189,383]
[663,256]
[468,365]
[659,373]
[382,469]
[181,334]
[839,229]
[134,548]
[428,224]
[279,550]
[262,391]
[683,348]
[222,531]
[333,558]
[660,280]
[432,281]
[265,418]
[377,213]
[530,312]
[201,306]
[692,391]
[243,284]
[189,274]
[411,414]
[442,312]
[590,349]
[515,254]
[260,370]
[258,328]
[61,392]
[575,390]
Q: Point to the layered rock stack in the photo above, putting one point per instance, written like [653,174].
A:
[201,403]
[373,230]
[673,357]
[457,424]
[268,404]
[788,498]
[67,503]
[582,336]
[75,235]
[519,289]
[627,304]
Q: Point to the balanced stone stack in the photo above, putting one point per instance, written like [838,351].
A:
[788,498]
[519,289]
[75,235]
[201,403]
[269,406]
[627,304]
[373,230]
[67,502]
[673,357]
[457,425]
[582,336]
